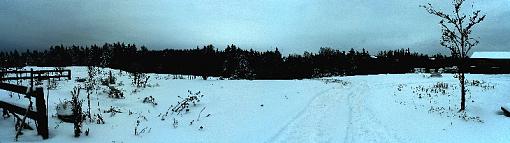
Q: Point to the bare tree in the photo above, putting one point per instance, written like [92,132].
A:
[456,36]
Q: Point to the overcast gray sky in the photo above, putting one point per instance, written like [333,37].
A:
[293,26]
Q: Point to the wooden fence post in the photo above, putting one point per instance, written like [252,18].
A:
[42,116]
[68,74]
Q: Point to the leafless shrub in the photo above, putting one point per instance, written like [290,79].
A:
[191,99]
[150,100]
[77,111]
[112,110]
[115,93]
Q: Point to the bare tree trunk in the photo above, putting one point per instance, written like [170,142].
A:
[88,104]
[462,92]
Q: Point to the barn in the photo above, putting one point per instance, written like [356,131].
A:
[490,63]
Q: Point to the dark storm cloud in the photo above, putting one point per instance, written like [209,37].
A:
[293,26]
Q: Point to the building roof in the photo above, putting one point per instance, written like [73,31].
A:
[491,55]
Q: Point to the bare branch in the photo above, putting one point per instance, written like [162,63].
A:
[475,19]
[456,28]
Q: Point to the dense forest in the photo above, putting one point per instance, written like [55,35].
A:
[231,62]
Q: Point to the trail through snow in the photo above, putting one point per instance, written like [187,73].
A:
[318,121]
[364,127]
[337,115]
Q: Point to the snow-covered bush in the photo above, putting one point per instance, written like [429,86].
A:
[108,80]
[65,111]
[150,100]
[139,79]
[115,93]
[113,111]
[185,105]
[191,99]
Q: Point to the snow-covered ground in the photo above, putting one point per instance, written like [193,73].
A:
[375,108]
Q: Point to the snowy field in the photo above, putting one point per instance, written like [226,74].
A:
[357,109]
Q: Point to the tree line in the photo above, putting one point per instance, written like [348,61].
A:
[231,62]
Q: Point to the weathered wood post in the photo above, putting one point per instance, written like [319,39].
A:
[68,74]
[31,78]
[42,116]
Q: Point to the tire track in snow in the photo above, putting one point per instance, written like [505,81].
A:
[315,123]
[363,126]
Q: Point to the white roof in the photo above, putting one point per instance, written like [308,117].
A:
[491,55]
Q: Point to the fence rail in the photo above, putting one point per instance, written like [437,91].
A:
[38,74]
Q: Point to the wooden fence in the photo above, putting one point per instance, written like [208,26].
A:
[40,115]
[39,74]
